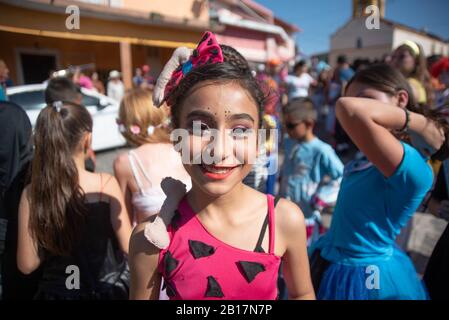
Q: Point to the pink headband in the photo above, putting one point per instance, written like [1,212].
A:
[208,51]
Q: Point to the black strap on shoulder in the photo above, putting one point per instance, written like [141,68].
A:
[276,200]
[261,235]
[264,229]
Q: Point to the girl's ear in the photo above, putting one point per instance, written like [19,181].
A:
[402,99]
[87,141]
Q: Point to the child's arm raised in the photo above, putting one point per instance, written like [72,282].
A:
[143,262]
[292,228]
[369,123]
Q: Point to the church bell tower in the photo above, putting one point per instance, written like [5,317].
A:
[358,7]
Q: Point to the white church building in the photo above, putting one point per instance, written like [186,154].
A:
[357,41]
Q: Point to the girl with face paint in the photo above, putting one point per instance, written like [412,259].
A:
[226,239]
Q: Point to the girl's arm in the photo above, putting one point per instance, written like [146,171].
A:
[119,215]
[290,223]
[121,173]
[369,123]
[143,262]
[27,252]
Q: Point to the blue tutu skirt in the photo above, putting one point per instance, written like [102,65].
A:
[388,278]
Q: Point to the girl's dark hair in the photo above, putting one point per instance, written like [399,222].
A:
[234,69]
[56,198]
[387,79]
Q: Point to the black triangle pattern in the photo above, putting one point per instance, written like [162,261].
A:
[200,249]
[213,288]
[171,290]
[170,263]
[250,269]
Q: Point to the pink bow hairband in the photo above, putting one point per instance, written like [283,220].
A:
[208,51]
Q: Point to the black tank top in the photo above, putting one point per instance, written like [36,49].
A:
[103,268]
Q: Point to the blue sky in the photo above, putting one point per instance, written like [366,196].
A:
[320,18]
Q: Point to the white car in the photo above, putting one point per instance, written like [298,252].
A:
[103,110]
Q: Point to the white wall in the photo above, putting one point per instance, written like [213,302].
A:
[375,42]
[431,46]
[347,37]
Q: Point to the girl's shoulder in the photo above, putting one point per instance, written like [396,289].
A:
[150,147]
[151,152]
[121,164]
[414,170]
[289,217]
[289,225]
[122,159]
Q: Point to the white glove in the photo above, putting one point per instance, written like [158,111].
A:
[156,231]
[180,56]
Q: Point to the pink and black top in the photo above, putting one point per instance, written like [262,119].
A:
[198,266]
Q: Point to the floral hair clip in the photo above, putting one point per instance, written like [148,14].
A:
[150,130]
[164,124]
[135,129]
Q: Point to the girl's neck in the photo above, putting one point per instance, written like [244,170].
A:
[223,206]
[79,162]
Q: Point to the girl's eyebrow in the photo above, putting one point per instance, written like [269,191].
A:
[203,114]
[239,116]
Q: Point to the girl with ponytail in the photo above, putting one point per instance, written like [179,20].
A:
[69,217]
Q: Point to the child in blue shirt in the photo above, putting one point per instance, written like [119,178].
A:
[309,164]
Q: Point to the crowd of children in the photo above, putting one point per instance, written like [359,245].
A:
[225,212]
